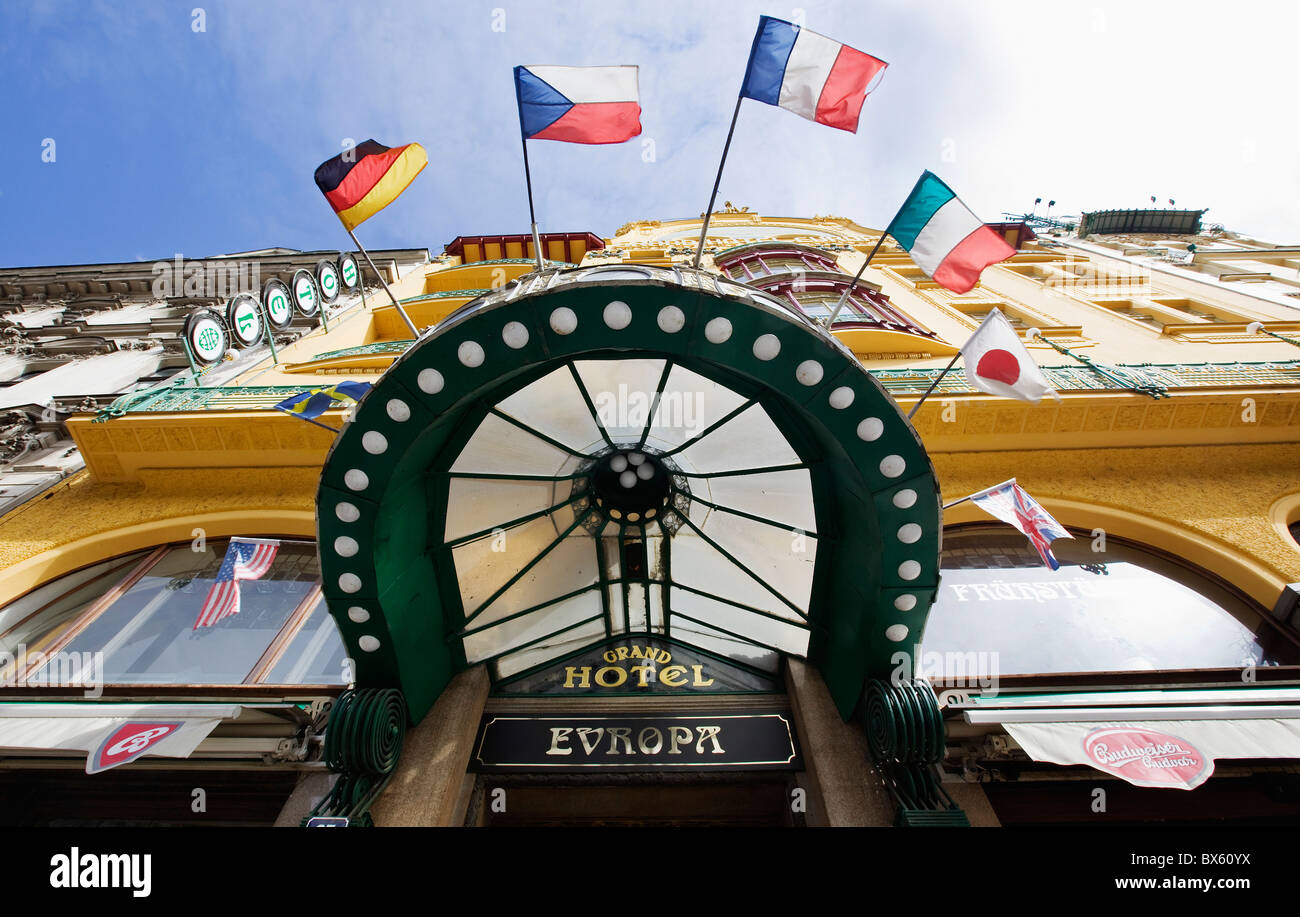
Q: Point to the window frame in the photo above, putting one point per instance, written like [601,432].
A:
[1267,625]
[865,305]
[264,665]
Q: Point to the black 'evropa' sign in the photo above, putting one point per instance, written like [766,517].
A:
[585,742]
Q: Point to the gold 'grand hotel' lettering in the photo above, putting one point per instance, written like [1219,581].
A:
[643,675]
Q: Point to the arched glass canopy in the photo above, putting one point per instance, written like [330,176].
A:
[589,453]
[672,501]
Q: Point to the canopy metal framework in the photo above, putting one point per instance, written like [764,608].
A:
[598,452]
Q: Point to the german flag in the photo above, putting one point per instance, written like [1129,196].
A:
[365,179]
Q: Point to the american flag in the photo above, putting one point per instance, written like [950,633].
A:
[1009,502]
[246,558]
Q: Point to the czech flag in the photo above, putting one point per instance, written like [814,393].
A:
[808,74]
[945,239]
[578,104]
[363,180]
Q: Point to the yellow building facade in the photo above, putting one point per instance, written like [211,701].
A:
[1175,438]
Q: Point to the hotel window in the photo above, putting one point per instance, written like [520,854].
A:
[1193,310]
[1161,314]
[1013,318]
[753,262]
[1136,311]
[822,304]
[158,617]
[816,294]
[1128,608]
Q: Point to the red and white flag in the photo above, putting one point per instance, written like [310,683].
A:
[246,559]
[998,363]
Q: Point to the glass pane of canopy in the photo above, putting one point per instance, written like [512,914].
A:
[629,496]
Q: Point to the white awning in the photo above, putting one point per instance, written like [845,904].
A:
[1172,753]
[111,734]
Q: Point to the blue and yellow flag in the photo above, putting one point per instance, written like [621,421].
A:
[316,401]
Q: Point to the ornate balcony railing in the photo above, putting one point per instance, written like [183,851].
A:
[1081,378]
[397,347]
[184,399]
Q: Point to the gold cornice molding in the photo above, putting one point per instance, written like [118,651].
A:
[969,422]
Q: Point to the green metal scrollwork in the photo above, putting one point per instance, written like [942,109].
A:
[363,742]
[905,731]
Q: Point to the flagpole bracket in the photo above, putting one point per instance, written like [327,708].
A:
[1150,389]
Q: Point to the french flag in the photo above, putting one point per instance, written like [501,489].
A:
[944,237]
[578,104]
[808,74]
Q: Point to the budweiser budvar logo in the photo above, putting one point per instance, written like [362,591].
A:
[127,743]
[1145,757]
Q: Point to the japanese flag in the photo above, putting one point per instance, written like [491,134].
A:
[998,363]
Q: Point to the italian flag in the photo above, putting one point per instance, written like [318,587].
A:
[945,239]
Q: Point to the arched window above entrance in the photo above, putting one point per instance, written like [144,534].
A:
[1127,608]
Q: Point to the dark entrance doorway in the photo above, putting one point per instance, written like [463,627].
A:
[757,801]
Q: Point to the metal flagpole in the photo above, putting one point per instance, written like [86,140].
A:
[1143,388]
[194,366]
[708,211]
[400,311]
[361,285]
[532,215]
[309,420]
[933,385]
[856,277]
[1258,328]
[977,493]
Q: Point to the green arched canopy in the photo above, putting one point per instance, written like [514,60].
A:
[606,451]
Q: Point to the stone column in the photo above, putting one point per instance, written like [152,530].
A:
[426,789]
[975,803]
[310,789]
[843,786]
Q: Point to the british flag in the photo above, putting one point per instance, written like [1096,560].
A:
[1009,502]
[246,559]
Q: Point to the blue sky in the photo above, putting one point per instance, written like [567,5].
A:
[169,140]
